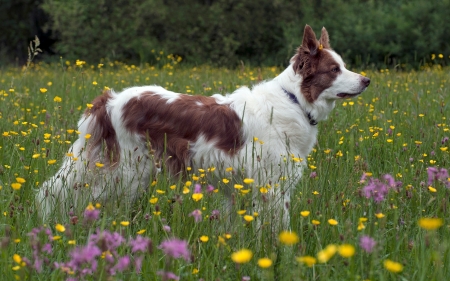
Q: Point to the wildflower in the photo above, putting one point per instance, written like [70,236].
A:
[288,238]
[60,228]
[20,180]
[175,248]
[248,218]
[90,213]
[57,99]
[315,222]
[326,254]
[197,214]
[332,222]
[265,262]
[43,90]
[225,181]
[238,186]
[432,189]
[430,223]
[307,260]
[242,256]
[367,243]
[304,213]
[248,181]
[393,266]
[140,244]
[16,186]
[87,136]
[51,162]
[124,223]
[379,215]
[204,238]
[167,275]
[153,200]
[346,250]
[197,196]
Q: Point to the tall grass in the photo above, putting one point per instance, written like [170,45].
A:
[399,126]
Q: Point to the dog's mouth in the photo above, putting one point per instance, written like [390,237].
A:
[347,95]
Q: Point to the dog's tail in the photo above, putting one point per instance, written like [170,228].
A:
[96,149]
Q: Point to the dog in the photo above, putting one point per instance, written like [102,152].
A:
[266,132]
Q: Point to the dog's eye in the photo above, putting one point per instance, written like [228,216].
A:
[335,69]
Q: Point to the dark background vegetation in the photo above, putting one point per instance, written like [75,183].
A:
[224,32]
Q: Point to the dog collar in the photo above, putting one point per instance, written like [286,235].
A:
[294,99]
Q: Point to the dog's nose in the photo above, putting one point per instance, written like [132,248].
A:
[366,81]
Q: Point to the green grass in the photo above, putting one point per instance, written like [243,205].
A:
[396,127]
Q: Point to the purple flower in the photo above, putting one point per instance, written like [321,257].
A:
[376,190]
[91,214]
[444,140]
[142,244]
[210,189]
[313,175]
[122,263]
[197,188]
[439,175]
[197,214]
[367,243]
[214,215]
[167,275]
[176,248]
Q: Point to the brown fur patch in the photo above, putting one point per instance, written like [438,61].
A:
[102,131]
[171,127]
[314,64]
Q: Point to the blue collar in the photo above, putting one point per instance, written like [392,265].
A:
[294,99]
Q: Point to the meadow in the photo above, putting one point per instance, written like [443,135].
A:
[373,203]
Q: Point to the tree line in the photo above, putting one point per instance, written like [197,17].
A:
[225,32]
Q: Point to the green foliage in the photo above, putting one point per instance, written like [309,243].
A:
[225,32]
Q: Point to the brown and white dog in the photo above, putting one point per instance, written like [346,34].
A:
[136,132]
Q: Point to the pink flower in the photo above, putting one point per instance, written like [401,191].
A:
[176,248]
[367,243]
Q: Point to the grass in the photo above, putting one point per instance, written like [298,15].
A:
[399,126]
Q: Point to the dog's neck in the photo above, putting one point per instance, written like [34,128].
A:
[290,82]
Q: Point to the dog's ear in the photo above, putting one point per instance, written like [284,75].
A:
[309,43]
[324,39]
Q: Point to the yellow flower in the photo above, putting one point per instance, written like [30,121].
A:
[16,186]
[60,228]
[315,222]
[87,136]
[326,254]
[241,212]
[51,162]
[197,196]
[159,191]
[430,223]
[90,207]
[238,186]
[379,215]
[195,271]
[248,181]
[204,238]
[242,256]
[288,238]
[226,181]
[332,222]
[265,262]
[141,231]
[307,260]
[99,165]
[346,250]
[124,223]
[173,187]
[229,169]
[55,238]
[188,183]
[263,190]
[393,266]
[153,200]
[43,90]
[89,105]
[94,83]
[304,213]
[248,218]
[432,189]
[186,190]
[72,242]
[17,258]
[57,99]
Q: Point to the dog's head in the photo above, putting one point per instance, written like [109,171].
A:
[323,71]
